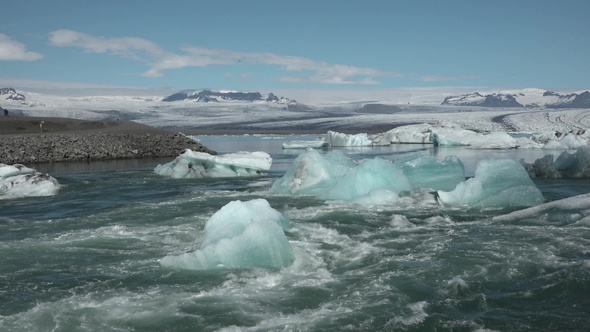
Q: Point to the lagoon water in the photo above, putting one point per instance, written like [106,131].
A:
[88,259]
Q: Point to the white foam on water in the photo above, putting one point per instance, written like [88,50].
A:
[416,314]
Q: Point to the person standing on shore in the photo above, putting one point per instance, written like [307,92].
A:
[5,112]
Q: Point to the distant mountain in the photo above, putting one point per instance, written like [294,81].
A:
[207,96]
[477,99]
[11,94]
[573,100]
[524,98]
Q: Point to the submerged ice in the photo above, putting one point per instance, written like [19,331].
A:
[21,181]
[191,164]
[240,235]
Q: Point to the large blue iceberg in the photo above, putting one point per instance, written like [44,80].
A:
[425,171]
[240,235]
[335,176]
[497,182]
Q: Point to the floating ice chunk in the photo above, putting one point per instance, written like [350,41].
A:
[336,176]
[425,171]
[417,134]
[462,137]
[567,165]
[369,175]
[191,164]
[568,141]
[559,141]
[498,182]
[452,136]
[577,207]
[21,181]
[240,235]
[497,140]
[317,144]
[313,173]
[527,143]
[341,139]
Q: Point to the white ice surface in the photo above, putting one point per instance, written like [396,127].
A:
[192,164]
[21,181]
[325,110]
[240,235]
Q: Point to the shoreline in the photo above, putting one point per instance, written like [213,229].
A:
[64,140]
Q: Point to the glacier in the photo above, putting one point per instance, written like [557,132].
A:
[20,181]
[240,235]
[497,182]
[192,164]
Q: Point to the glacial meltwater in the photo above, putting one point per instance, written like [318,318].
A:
[107,252]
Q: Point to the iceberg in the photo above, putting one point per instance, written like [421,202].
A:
[442,136]
[567,165]
[313,173]
[425,171]
[445,134]
[21,181]
[191,164]
[341,139]
[335,176]
[497,182]
[416,134]
[317,144]
[240,235]
[559,141]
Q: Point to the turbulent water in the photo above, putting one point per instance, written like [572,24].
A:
[88,259]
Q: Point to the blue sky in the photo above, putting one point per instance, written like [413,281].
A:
[264,45]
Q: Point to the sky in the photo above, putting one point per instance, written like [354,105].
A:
[272,45]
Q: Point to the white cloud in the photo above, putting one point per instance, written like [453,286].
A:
[160,60]
[135,48]
[11,50]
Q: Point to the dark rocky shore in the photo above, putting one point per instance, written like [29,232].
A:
[88,141]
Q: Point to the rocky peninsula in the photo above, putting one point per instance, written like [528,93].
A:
[27,140]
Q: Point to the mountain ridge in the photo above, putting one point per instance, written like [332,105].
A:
[207,96]
[526,98]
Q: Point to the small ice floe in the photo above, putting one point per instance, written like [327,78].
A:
[317,144]
[341,139]
[240,235]
[191,164]
[414,134]
[556,140]
[21,181]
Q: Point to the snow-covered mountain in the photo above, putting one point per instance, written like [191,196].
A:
[11,94]
[524,98]
[207,96]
